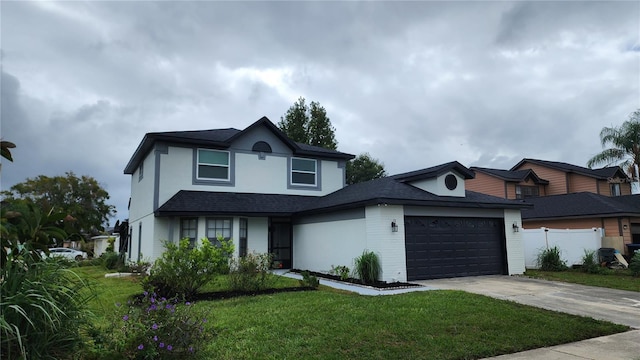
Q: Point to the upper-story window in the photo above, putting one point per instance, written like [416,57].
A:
[615,190]
[213,165]
[526,191]
[304,172]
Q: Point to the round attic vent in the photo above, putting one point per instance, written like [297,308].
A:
[451,182]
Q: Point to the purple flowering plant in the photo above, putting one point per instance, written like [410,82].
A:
[156,328]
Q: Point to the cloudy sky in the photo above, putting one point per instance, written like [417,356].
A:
[415,84]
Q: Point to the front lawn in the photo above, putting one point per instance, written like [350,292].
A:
[613,279]
[325,324]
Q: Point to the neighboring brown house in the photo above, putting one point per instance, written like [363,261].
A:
[567,196]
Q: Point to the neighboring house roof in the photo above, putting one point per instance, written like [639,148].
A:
[222,139]
[602,173]
[390,190]
[580,205]
[512,175]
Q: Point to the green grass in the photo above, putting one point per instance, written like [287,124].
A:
[328,324]
[613,279]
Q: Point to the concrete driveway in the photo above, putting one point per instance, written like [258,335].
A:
[617,306]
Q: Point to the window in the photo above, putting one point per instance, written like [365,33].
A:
[526,191]
[242,239]
[615,189]
[218,227]
[303,172]
[141,170]
[189,230]
[213,165]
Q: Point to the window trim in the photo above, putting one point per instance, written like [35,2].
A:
[227,166]
[613,186]
[527,194]
[292,171]
[214,240]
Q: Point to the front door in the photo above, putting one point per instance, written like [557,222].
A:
[280,242]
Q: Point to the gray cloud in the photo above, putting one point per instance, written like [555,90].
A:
[414,84]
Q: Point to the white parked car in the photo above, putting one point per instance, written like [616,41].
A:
[71,254]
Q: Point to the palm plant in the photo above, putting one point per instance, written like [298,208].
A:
[625,145]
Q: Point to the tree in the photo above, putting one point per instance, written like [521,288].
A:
[364,168]
[625,145]
[81,199]
[309,125]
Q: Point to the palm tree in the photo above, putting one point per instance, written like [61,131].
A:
[625,145]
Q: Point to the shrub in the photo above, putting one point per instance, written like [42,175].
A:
[112,260]
[251,272]
[634,265]
[44,309]
[590,262]
[153,328]
[341,271]
[138,267]
[309,280]
[549,260]
[367,267]
[181,271]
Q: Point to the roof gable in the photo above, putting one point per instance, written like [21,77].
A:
[602,173]
[434,172]
[512,175]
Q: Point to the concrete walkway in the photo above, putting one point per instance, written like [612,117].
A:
[362,290]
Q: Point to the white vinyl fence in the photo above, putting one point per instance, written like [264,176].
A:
[572,243]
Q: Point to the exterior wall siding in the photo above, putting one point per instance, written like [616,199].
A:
[177,174]
[586,223]
[319,245]
[390,246]
[581,183]
[142,191]
[437,186]
[487,184]
[514,242]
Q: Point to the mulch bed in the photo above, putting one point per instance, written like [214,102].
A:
[382,285]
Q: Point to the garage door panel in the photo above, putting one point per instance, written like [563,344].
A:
[440,247]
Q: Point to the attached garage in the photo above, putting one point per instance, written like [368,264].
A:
[444,247]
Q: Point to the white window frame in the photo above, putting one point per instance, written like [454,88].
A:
[315,173]
[228,165]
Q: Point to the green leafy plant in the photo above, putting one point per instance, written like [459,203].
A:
[251,272]
[550,260]
[367,267]
[181,271]
[634,265]
[590,262]
[44,309]
[309,280]
[340,270]
[112,260]
[138,267]
[111,242]
[154,328]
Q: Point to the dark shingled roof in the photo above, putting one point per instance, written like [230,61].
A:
[602,173]
[435,171]
[584,204]
[222,139]
[388,190]
[512,175]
